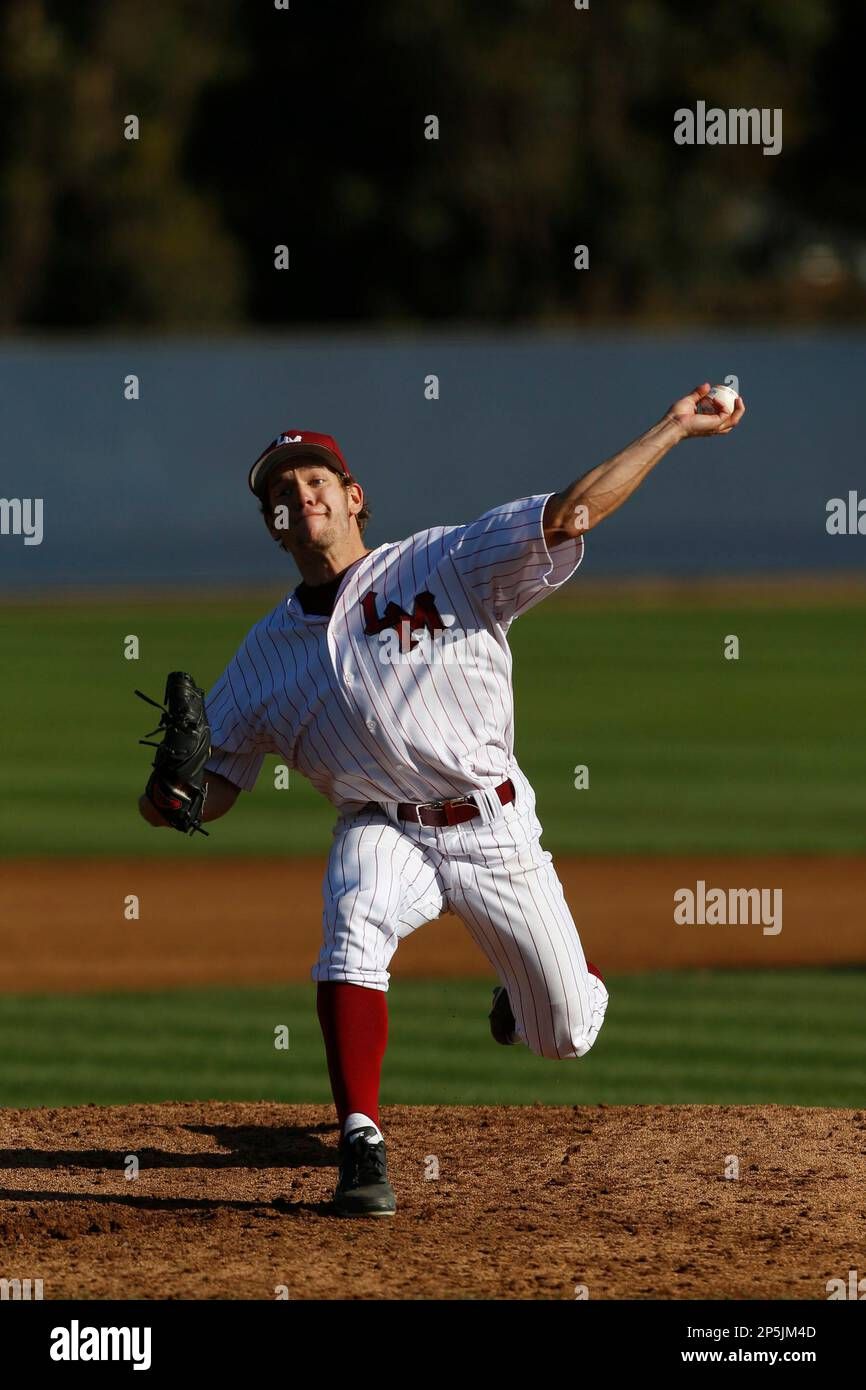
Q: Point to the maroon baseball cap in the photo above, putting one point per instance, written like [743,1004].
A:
[296,443]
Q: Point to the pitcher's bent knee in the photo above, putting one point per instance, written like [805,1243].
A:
[327,970]
[573,1034]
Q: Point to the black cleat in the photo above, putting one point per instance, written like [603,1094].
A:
[502,1023]
[363,1188]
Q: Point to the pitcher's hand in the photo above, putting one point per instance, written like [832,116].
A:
[684,413]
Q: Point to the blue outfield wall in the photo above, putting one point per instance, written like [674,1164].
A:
[154,489]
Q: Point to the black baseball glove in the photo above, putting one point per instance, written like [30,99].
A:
[176,787]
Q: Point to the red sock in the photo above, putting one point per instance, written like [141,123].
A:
[354,1022]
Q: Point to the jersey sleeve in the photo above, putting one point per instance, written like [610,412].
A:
[504,560]
[237,746]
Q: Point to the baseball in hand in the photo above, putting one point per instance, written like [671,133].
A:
[726,397]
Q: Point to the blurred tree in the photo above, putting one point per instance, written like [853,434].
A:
[306,127]
[97,228]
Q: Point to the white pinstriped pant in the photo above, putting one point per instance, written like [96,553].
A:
[386,878]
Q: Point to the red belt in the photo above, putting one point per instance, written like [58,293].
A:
[451,812]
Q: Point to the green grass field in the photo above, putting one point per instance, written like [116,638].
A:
[789,1037]
[686,751]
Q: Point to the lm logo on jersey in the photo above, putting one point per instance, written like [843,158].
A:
[424,616]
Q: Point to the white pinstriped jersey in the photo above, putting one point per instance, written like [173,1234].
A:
[370,704]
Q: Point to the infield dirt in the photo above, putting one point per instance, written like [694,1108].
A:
[231,1201]
[248,921]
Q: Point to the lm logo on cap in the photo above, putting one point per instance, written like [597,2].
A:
[290,439]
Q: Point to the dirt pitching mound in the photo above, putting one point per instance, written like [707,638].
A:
[231,1201]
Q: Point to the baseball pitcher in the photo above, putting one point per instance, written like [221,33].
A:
[385,678]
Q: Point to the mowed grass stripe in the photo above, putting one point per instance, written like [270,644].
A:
[793,1037]
[686,751]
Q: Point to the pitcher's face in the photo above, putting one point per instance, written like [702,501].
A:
[312,509]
